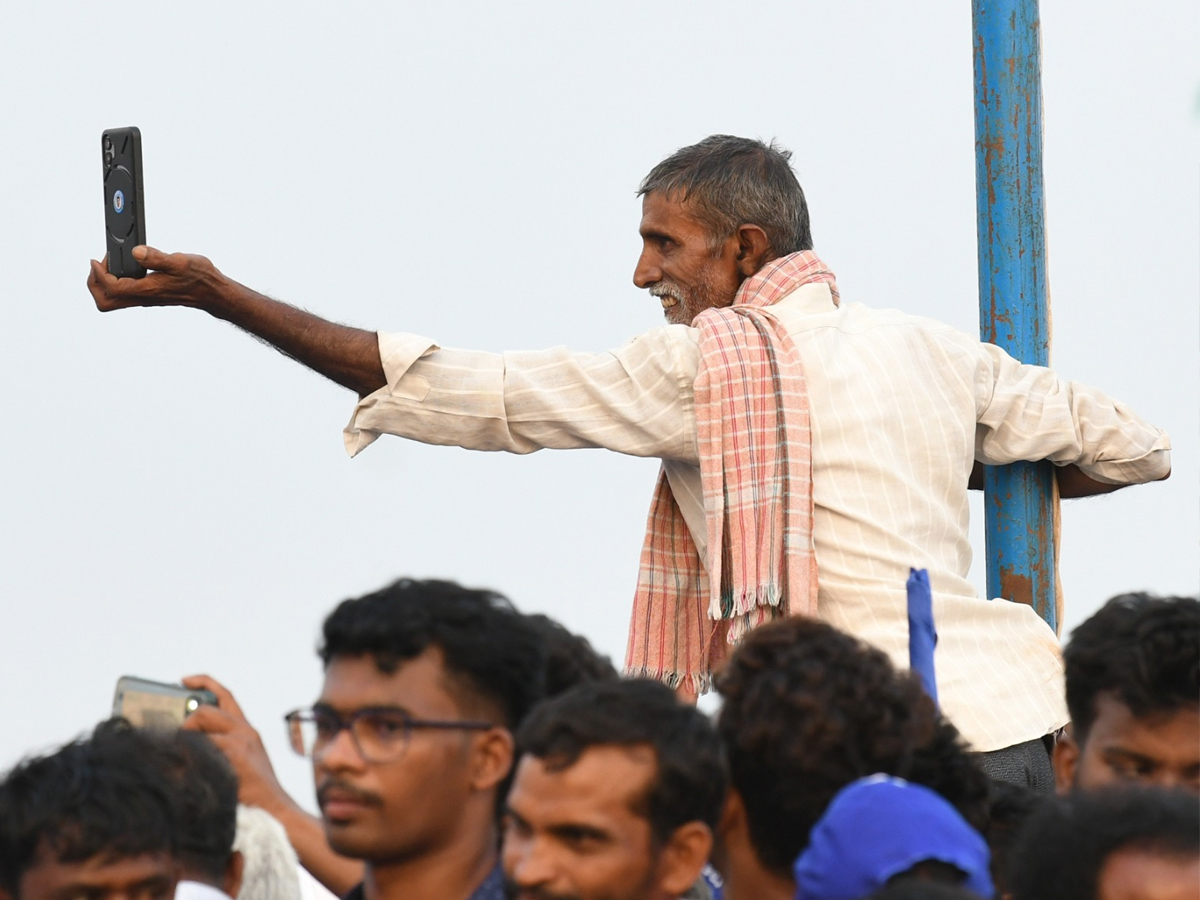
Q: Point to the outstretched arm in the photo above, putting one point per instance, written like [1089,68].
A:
[1097,442]
[349,356]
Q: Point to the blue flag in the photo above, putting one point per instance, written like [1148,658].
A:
[922,636]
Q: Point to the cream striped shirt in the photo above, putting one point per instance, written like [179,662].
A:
[901,408]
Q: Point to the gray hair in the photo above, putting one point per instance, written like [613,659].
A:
[271,871]
[732,181]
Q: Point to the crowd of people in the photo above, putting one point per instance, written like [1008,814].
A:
[814,453]
[463,750]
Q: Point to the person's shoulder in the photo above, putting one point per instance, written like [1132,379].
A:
[492,887]
[656,340]
[853,317]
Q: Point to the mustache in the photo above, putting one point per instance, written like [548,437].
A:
[346,789]
[662,289]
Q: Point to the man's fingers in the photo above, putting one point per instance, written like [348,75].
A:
[156,259]
[101,286]
[225,699]
[210,720]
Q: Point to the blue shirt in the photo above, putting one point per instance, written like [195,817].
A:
[492,888]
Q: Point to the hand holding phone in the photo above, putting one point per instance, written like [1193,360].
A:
[227,726]
[124,212]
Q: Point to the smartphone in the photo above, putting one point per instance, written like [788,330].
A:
[124,213]
[151,704]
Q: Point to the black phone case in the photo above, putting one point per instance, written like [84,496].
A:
[124,214]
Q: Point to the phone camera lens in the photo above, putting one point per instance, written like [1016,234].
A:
[192,704]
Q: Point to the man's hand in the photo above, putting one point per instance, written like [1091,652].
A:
[227,727]
[1072,483]
[349,356]
[175,279]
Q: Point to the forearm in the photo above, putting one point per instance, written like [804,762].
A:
[636,400]
[1098,443]
[307,837]
[1072,483]
[349,356]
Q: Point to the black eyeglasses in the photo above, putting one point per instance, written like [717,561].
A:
[380,734]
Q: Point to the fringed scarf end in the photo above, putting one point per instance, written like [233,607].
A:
[693,683]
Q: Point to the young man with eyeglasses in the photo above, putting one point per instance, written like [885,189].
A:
[411,737]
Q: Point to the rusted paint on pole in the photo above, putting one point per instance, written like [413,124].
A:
[1013,306]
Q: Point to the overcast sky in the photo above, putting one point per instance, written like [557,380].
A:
[175,497]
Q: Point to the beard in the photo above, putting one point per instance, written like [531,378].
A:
[688,302]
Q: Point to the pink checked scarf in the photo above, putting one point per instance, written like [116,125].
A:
[752,424]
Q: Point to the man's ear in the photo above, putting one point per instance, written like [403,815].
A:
[733,816]
[754,249]
[1065,758]
[493,758]
[234,872]
[683,858]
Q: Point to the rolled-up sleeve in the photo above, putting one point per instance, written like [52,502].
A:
[635,400]
[1028,413]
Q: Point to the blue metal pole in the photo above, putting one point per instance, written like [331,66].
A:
[1013,310]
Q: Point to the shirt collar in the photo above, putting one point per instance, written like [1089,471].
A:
[492,888]
[811,299]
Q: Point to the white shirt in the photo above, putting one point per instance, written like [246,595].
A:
[196,890]
[901,407]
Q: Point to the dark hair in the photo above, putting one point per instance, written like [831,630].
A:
[930,871]
[93,796]
[809,709]
[1060,854]
[491,652]
[922,890]
[206,791]
[1010,808]
[570,657]
[1143,649]
[732,181]
[690,781]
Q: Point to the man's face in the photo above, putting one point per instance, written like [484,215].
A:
[146,877]
[679,264]
[1139,874]
[575,835]
[392,811]
[1162,750]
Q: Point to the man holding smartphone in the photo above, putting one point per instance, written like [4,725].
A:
[864,428]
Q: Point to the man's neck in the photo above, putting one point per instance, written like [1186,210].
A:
[756,883]
[452,872]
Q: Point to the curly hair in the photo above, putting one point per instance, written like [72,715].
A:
[1060,854]
[809,709]
[491,651]
[571,658]
[1145,650]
